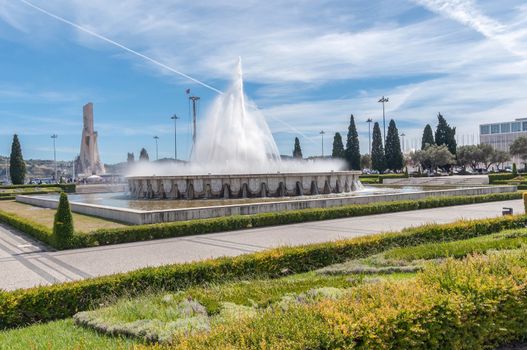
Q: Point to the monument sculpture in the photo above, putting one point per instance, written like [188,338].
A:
[89,161]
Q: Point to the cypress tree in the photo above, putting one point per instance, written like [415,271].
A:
[445,134]
[428,137]
[63,223]
[377,150]
[338,147]
[352,146]
[143,155]
[393,154]
[297,150]
[17,166]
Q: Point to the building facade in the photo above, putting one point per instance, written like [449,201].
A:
[502,135]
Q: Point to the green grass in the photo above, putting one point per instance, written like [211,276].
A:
[259,302]
[62,334]
[511,239]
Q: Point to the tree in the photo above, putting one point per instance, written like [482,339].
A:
[377,150]
[338,147]
[428,137]
[470,155]
[130,158]
[17,166]
[63,223]
[143,155]
[393,154]
[436,156]
[365,161]
[519,148]
[445,134]
[514,170]
[352,146]
[297,151]
[499,157]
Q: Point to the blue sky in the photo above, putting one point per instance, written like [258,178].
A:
[309,64]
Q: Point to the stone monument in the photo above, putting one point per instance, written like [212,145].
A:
[89,161]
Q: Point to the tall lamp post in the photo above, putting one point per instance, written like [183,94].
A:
[402,139]
[54,137]
[369,121]
[157,148]
[383,100]
[175,117]
[322,133]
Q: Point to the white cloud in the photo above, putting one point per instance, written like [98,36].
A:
[469,61]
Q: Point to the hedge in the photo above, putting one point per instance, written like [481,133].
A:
[500,177]
[195,227]
[378,178]
[202,226]
[68,188]
[40,232]
[26,306]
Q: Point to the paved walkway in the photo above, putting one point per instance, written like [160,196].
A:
[25,263]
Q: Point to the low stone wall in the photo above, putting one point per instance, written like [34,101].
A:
[242,185]
[138,217]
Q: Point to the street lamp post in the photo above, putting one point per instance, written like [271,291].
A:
[322,133]
[175,117]
[383,100]
[54,137]
[157,148]
[369,121]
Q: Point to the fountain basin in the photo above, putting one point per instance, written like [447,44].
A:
[242,185]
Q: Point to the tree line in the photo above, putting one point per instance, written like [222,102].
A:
[384,155]
[439,149]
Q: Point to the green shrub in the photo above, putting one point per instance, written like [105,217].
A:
[63,224]
[40,232]
[68,188]
[478,303]
[194,227]
[500,176]
[23,307]
[514,170]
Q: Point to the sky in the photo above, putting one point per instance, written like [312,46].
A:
[307,65]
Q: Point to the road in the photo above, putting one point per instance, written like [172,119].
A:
[25,263]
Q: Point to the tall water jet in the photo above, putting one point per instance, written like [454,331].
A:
[235,133]
[235,156]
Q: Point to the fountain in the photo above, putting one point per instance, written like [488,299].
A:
[235,156]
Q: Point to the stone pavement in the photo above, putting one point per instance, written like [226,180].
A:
[25,263]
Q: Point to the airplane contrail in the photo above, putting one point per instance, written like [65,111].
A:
[110,41]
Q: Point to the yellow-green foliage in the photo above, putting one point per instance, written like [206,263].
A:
[525,201]
[45,303]
[477,303]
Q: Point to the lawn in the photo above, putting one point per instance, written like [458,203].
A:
[318,308]
[44,216]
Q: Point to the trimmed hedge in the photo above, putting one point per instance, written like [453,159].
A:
[500,177]
[195,227]
[378,178]
[23,307]
[40,232]
[68,188]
